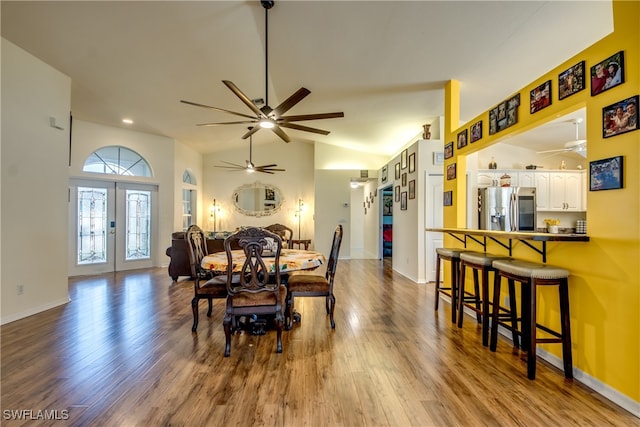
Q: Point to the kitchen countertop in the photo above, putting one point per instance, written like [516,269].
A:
[522,236]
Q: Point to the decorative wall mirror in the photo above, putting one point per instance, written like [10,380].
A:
[257,199]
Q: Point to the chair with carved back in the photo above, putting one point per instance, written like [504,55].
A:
[206,285]
[313,285]
[285,233]
[258,290]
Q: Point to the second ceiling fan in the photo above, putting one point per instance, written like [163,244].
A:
[267,117]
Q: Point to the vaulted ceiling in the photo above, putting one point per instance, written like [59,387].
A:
[384,63]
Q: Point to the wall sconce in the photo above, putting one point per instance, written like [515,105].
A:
[214,212]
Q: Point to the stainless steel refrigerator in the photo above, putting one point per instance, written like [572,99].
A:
[507,208]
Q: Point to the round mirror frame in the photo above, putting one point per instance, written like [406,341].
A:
[258,185]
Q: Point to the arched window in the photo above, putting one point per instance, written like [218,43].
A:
[188,178]
[117,161]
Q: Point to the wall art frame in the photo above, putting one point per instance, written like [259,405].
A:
[448,150]
[476,131]
[571,80]
[412,162]
[447,198]
[462,139]
[606,174]
[451,171]
[412,189]
[620,117]
[607,74]
[540,97]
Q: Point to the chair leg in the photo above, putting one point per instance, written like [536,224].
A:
[226,322]
[437,282]
[493,340]
[516,336]
[462,279]
[455,288]
[288,310]
[566,329]
[194,308]
[279,324]
[531,320]
[210,307]
[485,306]
[333,305]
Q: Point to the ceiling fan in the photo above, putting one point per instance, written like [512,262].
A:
[267,117]
[249,166]
[578,146]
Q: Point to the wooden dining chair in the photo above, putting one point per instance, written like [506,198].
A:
[312,285]
[258,291]
[206,285]
[285,233]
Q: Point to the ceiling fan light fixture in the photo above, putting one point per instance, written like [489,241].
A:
[266,124]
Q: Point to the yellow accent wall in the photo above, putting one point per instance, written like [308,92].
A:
[604,286]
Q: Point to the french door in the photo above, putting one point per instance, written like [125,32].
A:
[112,226]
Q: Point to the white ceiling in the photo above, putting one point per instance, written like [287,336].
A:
[383,63]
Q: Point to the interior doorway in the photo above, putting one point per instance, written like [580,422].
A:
[386,226]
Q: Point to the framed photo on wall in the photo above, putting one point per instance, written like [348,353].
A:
[571,81]
[397,175]
[451,171]
[397,193]
[384,174]
[412,189]
[448,150]
[476,131]
[447,198]
[606,174]
[412,162]
[403,158]
[540,97]
[462,139]
[403,201]
[607,74]
[621,117]
[404,179]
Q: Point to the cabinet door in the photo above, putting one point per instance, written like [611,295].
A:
[573,191]
[526,179]
[556,191]
[486,179]
[542,190]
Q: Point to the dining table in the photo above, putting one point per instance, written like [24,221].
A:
[290,260]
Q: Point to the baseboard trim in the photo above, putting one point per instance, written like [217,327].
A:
[33,310]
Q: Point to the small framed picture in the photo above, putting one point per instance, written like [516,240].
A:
[397,193]
[462,139]
[447,199]
[384,174]
[607,74]
[412,189]
[397,175]
[438,157]
[540,97]
[571,81]
[451,171]
[448,150]
[269,194]
[404,179]
[476,131]
[403,158]
[606,174]
[412,162]
[403,201]
[620,117]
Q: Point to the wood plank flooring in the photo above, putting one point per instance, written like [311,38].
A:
[121,353]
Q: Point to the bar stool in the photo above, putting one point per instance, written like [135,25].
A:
[477,301]
[531,275]
[452,255]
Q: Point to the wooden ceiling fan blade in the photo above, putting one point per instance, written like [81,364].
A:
[304,128]
[286,105]
[276,169]
[264,171]
[276,129]
[304,117]
[222,110]
[251,132]
[244,122]
[244,98]
[266,166]
[233,164]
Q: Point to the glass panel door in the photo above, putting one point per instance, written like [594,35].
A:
[112,226]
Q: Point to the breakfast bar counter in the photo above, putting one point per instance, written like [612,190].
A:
[526,237]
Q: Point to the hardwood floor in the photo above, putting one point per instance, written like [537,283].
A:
[121,353]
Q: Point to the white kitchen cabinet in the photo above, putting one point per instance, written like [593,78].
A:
[527,179]
[565,191]
[542,191]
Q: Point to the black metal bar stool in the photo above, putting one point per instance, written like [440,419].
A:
[531,275]
[452,255]
[479,300]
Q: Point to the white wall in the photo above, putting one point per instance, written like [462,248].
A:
[88,137]
[34,184]
[294,184]
[333,202]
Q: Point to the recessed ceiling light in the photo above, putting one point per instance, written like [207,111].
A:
[127,121]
